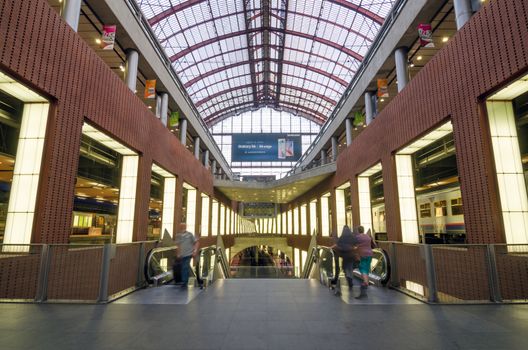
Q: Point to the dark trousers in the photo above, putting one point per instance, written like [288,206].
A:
[185,268]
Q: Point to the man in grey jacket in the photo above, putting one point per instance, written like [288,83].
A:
[187,248]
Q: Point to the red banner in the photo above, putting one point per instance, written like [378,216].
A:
[108,37]
[425,32]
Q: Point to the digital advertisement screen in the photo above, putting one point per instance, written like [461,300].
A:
[266,147]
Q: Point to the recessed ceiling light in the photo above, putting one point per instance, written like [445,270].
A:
[419,58]
[445,39]
[98,41]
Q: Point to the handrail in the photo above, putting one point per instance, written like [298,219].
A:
[206,268]
[154,271]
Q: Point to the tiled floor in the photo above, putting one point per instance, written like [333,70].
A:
[262,314]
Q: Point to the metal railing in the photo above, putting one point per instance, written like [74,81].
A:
[212,265]
[71,273]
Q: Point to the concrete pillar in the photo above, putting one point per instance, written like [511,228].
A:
[131,68]
[197,148]
[183,131]
[463,12]
[334,148]
[213,167]
[402,67]
[164,107]
[323,156]
[369,107]
[158,105]
[348,126]
[71,12]
[206,159]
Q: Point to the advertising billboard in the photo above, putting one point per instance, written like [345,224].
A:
[266,147]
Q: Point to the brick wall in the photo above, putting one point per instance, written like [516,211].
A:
[39,49]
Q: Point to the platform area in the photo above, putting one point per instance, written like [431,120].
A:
[262,314]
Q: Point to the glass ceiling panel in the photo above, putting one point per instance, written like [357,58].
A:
[266,46]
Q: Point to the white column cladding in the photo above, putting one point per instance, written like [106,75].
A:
[334,148]
[348,126]
[369,107]
[131,68]
[407,199]
[164,108]
[365,207]
[183,131]
[463,12]
[197,148]
[213,167]
[402,67]
[158,105]
[127,199]
[206,159]
[71,12]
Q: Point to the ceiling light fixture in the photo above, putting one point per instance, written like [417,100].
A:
[419,58]
[445,39]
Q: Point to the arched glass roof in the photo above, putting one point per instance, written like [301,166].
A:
[235,56]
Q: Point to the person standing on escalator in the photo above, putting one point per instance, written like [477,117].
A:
[346,249]
[364,245]
[187,248]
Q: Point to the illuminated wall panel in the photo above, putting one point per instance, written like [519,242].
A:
[214,218]
[304,255]
[191,209]
[205,216]
[365,207]
[26,174]
[510,175]
[169,198]
[284,223]
[313,217]
[297,258]
[340,209]
[325,224]
[290,222]
[304,218]
[407,200]
[296,230]
[222,219]
[127,199]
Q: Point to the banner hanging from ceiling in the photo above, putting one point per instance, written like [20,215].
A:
[150,89]
[383,88]
[425,32]
[266,147]
[108,37]
[174,119]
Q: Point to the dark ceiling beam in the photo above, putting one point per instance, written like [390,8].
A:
[274,47]
[297,88]
[225,113]
[323,41]
[174,9]
[282,45]
[236,64]
[266,52]
[245,75]
[324,20]
[262,104]
[251,56]
[361,10]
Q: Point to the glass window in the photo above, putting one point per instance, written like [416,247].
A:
[440,208]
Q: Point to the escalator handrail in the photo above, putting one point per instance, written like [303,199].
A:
[148,261]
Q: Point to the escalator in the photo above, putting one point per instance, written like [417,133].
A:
[211,265]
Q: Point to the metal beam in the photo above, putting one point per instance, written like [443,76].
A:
[282,40]
[324,20]
[244,75]
[236,64]
[363,11]
[174,9]
[273,47]
[212,119]
[226,91]
[251,56]
[266,54]
[320,40]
